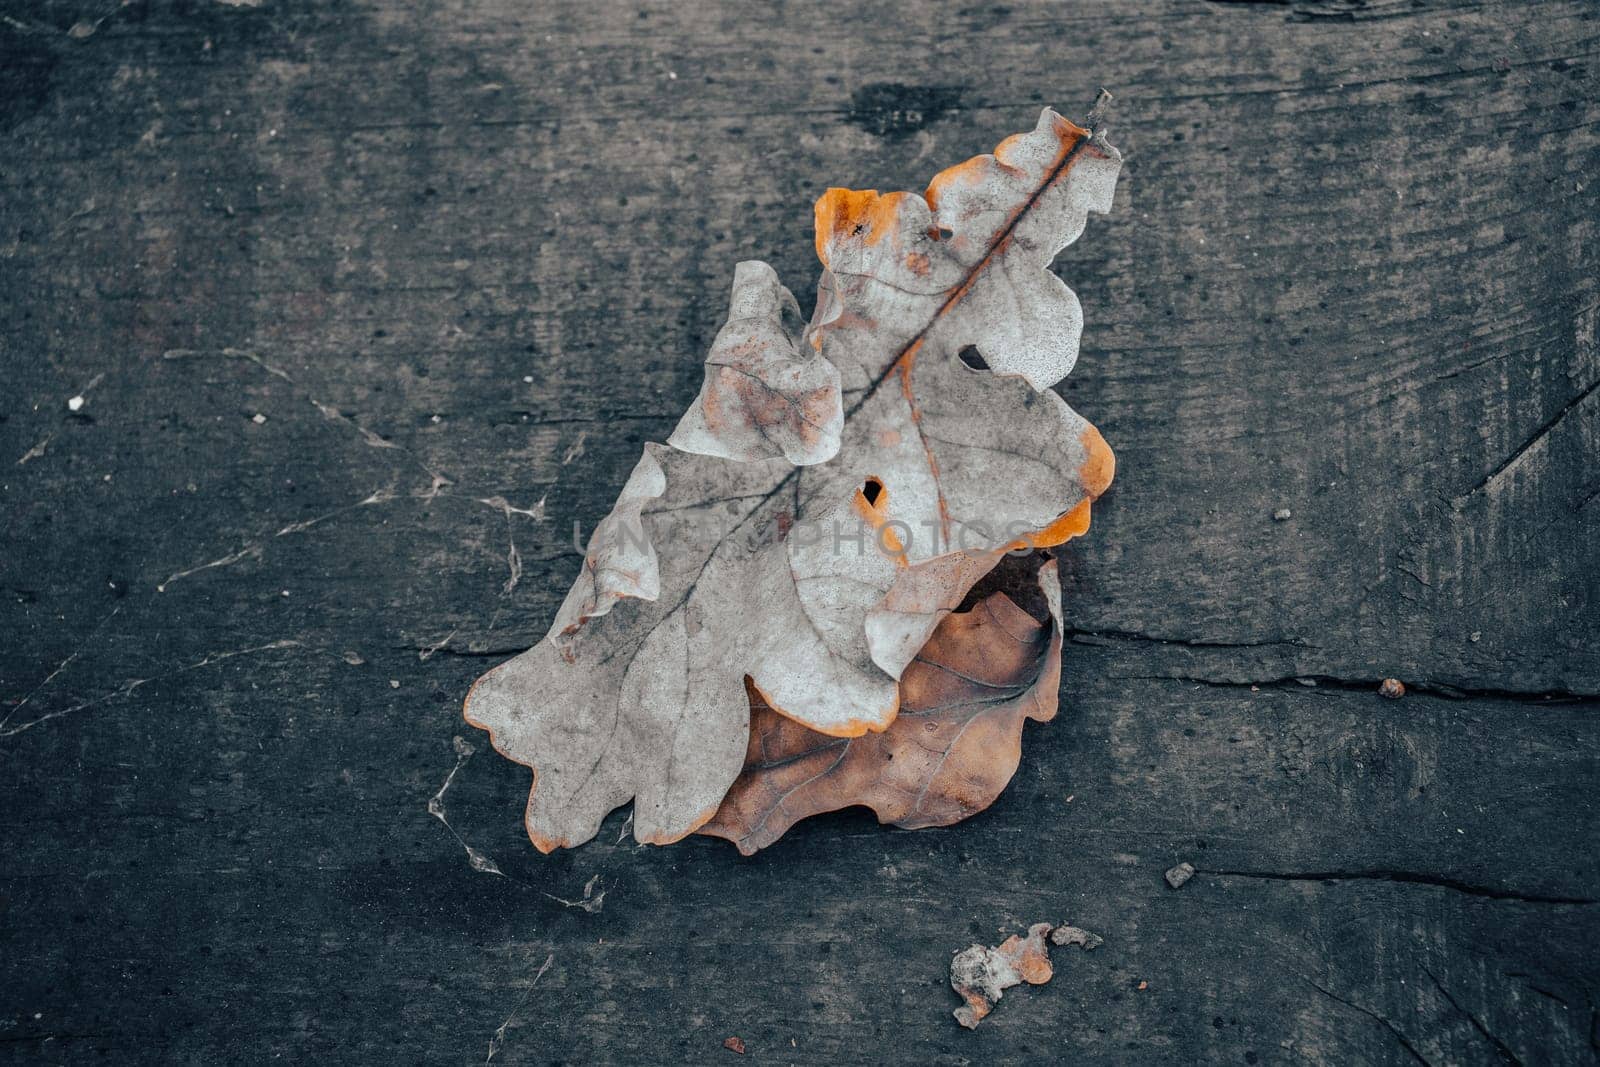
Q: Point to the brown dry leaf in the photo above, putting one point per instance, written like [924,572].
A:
[980,975]
[723,560]
[947,755]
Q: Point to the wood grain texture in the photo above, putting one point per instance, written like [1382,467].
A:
[467,256]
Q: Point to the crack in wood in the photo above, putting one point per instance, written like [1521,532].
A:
[1311,682]
[1379,874]
[1499,1046]
[1539,435]
[1394,1031]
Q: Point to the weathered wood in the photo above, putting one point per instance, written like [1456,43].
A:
[1351,273]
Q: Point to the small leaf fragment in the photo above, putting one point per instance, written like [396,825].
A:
[980,975]
[1073,935]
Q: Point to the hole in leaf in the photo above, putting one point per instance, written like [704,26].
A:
[872,489]
[973,358]
[945,233]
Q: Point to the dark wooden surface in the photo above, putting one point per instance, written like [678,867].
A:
[456,250]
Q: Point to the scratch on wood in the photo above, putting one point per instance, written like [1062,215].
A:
[498,1041]
[328,411]
[501,504]
[477,860]
[53,675]
[333,414]
[425,654]
[381,496]
[590,902]
[1369,1013]
[1523,449]
[254,549]
[228,353]
[251,551]
[37,450]
[133,684]
[1499,1046]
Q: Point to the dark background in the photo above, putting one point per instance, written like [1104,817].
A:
[467,249]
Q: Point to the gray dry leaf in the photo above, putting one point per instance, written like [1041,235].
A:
[723,559]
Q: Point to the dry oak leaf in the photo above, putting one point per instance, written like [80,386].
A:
[724,560]
[947,755]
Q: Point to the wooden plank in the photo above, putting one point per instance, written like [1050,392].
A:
[458,252]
